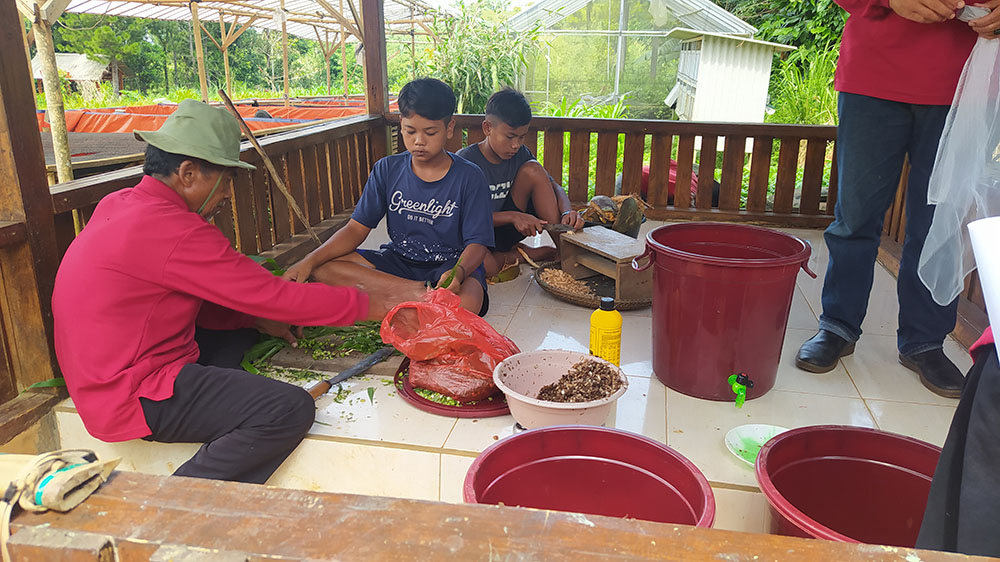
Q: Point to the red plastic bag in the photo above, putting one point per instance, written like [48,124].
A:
[451,350]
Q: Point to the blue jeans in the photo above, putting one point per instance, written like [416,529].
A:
[873,138]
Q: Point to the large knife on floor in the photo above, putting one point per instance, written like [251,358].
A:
[322,387]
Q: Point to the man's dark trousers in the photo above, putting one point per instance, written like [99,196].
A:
[248,423]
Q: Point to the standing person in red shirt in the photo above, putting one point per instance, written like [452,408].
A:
[153,310]
[900,61]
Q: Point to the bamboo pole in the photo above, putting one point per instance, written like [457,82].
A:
[225,50]
[196,29]
[270,167]
[326,56]
[54,108]
[284,50]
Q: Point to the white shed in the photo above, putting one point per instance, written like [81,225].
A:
[722,77]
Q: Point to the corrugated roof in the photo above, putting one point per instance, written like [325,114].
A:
[302,15]
[684,33]
[79,66]
[702,15]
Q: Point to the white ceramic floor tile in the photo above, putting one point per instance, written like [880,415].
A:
[510,293]
[499,316]
[697,428]
[876,371]
[378,236]
[536,297]
[921,421]
[136,456]
[474,435]
[790,377]
[453,469]
[882,317]
[642,409]
[801,314]
[328,466]
[736,510]
[569,329]
[389,419]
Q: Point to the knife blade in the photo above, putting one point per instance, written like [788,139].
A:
[322,387]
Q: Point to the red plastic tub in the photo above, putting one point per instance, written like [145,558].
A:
[593,470]
[721,297]
[847,484]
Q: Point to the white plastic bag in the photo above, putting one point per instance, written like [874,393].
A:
[965,183]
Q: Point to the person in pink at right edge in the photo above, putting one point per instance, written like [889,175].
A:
[900,61]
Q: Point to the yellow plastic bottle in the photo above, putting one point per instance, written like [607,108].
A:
[606,332]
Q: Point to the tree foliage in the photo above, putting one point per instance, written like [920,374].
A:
[477,52]
[814,24]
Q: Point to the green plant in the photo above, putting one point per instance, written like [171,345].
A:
[477,52]
[802,23]
[803,91]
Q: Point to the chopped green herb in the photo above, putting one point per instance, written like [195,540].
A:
[371,395]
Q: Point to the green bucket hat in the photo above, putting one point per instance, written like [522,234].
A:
[199,130]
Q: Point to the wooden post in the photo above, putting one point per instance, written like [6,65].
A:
[376,79]
[284,50]
[343,54]
[225,51]
[327,51]
[27,268]
[53,97]
[196,29]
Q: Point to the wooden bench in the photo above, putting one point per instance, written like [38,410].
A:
[137,517]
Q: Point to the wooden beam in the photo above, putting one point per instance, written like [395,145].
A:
[339,16]
[224,37]
[12,233]
[376,77]
[199,51]
[138,513]
[27,270]
[209,35]
[234,36]
[343,55]
[284,51]
[52,9]
[22,412]
[358,24]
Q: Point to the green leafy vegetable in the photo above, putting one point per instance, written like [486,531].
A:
[371,395]
[451,275]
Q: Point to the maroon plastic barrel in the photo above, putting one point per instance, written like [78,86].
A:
[721,297]
[593,470]
[847,484]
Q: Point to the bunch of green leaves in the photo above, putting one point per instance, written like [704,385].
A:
[802,90]
[362,337]
[802,23]
[477,52]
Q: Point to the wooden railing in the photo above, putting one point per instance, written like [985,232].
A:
[767,173]
[324,168]
[972,319]
[774,174]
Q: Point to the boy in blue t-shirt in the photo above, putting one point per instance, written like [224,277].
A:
[437,207]
[524,196]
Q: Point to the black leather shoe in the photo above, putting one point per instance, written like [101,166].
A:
[820,353]
[936,371]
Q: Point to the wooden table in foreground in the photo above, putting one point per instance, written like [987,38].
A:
[140,517]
